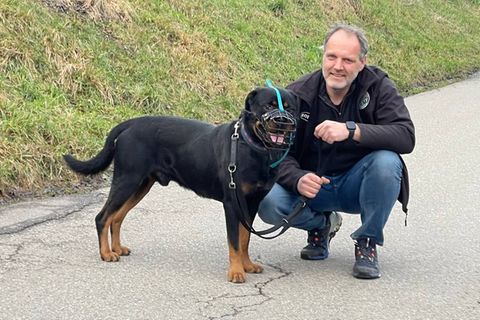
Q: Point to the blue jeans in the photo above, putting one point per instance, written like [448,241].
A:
[370,188]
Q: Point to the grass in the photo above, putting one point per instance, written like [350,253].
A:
[71,69]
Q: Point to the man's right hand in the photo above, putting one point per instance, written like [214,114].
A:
[309,185]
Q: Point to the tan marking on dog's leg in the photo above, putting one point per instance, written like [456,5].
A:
[120,216]
[116,225]
[248,265]
[105,252]
[236,272]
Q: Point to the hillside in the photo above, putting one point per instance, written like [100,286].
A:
[71,69]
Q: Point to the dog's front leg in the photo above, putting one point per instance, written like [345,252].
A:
[248,265]
[238,241]
[236,272]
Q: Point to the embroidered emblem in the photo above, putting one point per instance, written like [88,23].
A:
[305,116]
[364,102]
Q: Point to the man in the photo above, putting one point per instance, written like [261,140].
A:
[353,126]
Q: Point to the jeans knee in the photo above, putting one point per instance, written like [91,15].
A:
[267,210]
[386,164]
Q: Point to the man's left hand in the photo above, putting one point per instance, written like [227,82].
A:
[331,131]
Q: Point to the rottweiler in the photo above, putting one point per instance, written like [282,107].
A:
[198,156]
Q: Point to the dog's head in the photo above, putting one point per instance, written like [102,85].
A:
[272,124]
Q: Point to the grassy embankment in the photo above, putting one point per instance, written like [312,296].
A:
[68,73]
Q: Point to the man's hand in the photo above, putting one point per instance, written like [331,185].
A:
[332,131]
[310,184]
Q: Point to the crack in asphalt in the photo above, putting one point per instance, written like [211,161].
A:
[260,286]
[57,214]
[18,247]
[9,259]
[16,259]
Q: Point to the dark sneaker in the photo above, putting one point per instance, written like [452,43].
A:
[366,260]
[319,239]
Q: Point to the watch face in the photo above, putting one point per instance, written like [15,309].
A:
[351,125]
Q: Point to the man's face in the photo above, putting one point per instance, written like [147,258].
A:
[341,61]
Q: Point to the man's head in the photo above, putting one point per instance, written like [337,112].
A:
[345,55]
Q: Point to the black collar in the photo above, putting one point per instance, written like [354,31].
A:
[249,139]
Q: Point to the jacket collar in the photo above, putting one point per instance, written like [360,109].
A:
[311,85]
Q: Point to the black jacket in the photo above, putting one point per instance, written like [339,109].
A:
[372,102]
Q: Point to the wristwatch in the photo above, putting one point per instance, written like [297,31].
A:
[351,126]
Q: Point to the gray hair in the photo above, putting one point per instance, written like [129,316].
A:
[359,33]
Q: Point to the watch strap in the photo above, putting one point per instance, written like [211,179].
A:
[351,126]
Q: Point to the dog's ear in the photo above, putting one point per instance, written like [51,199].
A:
[249,99]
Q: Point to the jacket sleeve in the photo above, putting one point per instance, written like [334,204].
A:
[393,128]
[289,172]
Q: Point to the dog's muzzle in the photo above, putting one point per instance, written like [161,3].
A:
[277,129]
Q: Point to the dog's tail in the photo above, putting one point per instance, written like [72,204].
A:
[103,159]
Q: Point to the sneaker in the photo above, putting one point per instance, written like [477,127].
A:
[319,239]
[366,260]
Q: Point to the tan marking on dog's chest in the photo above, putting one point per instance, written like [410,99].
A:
[248,188]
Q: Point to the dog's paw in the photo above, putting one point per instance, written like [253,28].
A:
[110,256]
[237,276]
[122,251]
[251,267]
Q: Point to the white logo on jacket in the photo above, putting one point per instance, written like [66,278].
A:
[364,102]
[305,116]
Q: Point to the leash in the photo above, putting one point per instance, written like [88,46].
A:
[242,204]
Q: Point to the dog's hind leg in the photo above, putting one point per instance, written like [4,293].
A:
[119,216]
[103,222]
[122,189]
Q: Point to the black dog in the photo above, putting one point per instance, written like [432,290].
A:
[198,156]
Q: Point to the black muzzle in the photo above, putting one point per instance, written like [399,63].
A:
[276,129]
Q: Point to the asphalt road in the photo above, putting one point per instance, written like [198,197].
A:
[50,267]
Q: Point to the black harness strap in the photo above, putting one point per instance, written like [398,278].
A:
[243,216]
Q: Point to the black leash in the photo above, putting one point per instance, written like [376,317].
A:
[244,218]
[242,205]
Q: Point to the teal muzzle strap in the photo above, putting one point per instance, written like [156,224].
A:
[276,163]
[269,84]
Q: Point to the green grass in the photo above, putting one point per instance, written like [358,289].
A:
[67,75]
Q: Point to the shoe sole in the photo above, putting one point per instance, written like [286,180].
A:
[366,277]
[306,257]
[335,223]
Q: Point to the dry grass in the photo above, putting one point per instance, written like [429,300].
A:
[97,10]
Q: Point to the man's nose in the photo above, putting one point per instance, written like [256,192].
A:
[338,64]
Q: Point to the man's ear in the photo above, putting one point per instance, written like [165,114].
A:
[249,99]
[363,61]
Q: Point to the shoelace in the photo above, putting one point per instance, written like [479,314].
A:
[316,239]
[367,251]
